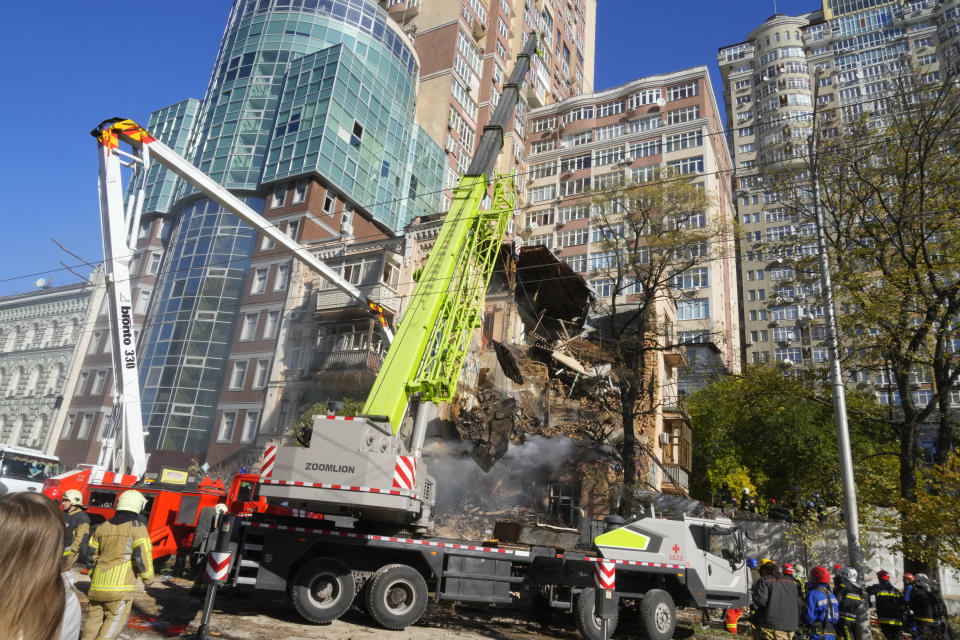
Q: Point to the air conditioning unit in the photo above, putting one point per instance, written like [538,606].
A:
[664,438]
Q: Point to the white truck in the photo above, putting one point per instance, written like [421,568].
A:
[23,469]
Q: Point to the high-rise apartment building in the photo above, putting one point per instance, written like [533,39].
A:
[467,48]
[596,143]
[309,116]
[850,49]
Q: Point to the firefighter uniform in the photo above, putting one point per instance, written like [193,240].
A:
[121,554]
[850,597]
[890,608]
[77,527]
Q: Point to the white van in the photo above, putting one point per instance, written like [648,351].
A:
[23,469]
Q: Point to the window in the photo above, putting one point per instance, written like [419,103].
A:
[687,165]
[576,163]
[609,156]
[266,244]
[577,139]
[695,278]
[283,276]
[249,426]
[695,309]
[462,95]
[572,238]
[82,383]
[786,312]
[688,140]
[95,340]
[610,109]
[792,355]
[687,114]
[539,194]
[291,230]
[248,328]
[260,374]
[300,192]
[573,212]
[329,203]
[784,334]
[227,422]
[645,148]
[543,170]
[238,374]
[573,187]
[278,196]
[681,91]
[645,124]
[153,267]
[543,146]
[544,124]
[143,302]
[648,96]
[269,326]
[820,354]
[85,424]
[580,113]
[258,282]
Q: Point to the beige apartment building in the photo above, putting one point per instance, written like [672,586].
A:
[467,49]
[600,141]
[856,46]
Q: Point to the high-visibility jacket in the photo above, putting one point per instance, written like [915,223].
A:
[889,603]
[78,532]
[121,553]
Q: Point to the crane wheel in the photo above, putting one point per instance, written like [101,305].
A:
[323,590]
[396,596]
[589,625]
[658,615]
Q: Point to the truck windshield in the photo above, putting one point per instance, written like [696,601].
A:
[723,543]
[26,467]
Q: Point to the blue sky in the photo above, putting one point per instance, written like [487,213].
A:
[78,63]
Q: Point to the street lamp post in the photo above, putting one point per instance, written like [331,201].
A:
[836,376]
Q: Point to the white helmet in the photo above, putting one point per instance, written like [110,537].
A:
[849,574]
[74,497]
[922,580]
[131,500]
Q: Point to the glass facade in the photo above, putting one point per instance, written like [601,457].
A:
[192,324]
[325,87]
[172,125]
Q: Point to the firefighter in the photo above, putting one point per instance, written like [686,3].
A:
[774,604]
[927,608]
[822,612]
[908,622]
[889,605]
[794,572]
[850,596]
[731,618]
[121,553]
[78,527]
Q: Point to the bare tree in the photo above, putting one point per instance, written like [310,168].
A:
[652,234]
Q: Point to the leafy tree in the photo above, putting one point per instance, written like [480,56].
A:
[931,525]
[778,424]
[650,232]
[303,426]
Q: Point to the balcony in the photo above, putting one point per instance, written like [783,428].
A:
[479,29]
[332,299]
[675,356]
[403,12]
[679,475]
[351,359]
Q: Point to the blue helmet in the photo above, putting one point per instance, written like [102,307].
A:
[752,563]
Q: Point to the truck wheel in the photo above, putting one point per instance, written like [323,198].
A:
[658,615]
[587,623]
[322,590]
[396,596]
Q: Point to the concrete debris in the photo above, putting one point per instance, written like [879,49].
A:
[553,299]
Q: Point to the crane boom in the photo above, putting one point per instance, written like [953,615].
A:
[360,466]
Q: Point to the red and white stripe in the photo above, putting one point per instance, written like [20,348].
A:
[634,563]
[605,575]
[405,472]
[338,417]
[340,487]
[360,536]
[217,566]
[269,458]
[109,477]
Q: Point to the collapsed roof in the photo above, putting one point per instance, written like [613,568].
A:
[553,299]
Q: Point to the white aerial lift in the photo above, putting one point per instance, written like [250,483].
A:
[120,226]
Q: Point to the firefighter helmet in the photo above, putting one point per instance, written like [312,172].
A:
[131,500]
[74,497]
[820,575]
[787,569]
[848,573]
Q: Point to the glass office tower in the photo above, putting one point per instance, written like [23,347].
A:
[299,87]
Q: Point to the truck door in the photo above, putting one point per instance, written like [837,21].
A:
[725,580]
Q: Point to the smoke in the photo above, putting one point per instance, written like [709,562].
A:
[510,483]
